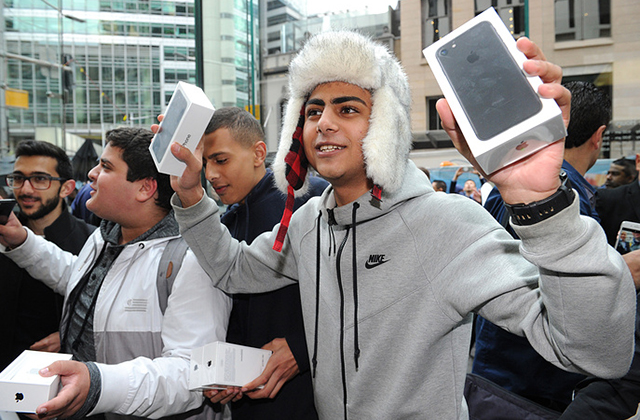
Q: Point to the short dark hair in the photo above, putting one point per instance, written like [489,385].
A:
[43,148]
[243,126]
[628,166]
[590,109]
[439,183]
[134,143]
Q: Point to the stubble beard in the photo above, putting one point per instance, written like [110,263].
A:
[46,208]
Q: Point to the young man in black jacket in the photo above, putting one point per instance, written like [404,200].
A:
[234,155]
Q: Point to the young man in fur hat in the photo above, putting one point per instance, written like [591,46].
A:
[387,324]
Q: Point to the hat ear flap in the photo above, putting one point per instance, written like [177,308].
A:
[388,142]
[290,147]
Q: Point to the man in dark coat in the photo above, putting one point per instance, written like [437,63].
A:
[234,154]
[615,205]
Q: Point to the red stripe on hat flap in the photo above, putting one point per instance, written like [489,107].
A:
[286,218]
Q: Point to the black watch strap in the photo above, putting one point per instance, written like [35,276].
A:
[529,214]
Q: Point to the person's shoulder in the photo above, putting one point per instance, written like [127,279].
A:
[79,228]
[614,193]
[448,208]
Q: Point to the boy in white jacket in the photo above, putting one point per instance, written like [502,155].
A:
[132,354]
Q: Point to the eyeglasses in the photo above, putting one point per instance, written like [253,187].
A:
[38,182]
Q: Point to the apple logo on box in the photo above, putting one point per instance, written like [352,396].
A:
[19,397]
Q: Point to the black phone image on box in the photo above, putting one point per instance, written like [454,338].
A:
[6,207]
[162,140]
[489,84]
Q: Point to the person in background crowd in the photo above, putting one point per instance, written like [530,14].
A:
[79,206]
[500,356]
[621,172]
[439,185]
[615,205]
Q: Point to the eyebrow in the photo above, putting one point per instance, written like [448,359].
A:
[32,173]
[215,155]
[335,101]
[105,161]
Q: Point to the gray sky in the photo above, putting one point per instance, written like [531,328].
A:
[373,6]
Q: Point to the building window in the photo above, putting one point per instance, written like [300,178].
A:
[582,19]
[278,19]
[436,21]
[511,12]
[433,118]
[273,36]
[275,4]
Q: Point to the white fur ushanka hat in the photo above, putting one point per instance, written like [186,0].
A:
[345,56]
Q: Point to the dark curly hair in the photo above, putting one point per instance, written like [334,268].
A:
[134,143]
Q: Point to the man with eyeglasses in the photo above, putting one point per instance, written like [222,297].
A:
[29,310]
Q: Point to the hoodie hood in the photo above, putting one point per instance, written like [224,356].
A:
[165,228]
[414,185]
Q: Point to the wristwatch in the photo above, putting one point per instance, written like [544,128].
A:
[537,211]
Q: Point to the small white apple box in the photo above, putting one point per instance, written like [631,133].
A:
[220,364]
[22,389]
[496,104]
[184,122]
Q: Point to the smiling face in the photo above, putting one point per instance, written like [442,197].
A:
[232,168]
[336,120]
[112,194]
[36,204]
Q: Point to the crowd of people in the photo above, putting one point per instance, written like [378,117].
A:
[366,279]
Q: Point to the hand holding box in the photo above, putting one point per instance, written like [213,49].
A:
[22,389]
[220,364]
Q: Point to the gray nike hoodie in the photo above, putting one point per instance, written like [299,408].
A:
[388,290]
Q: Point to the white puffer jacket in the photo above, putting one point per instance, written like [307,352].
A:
[142,355]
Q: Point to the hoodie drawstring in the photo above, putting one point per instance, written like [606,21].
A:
[314,359]
[354,267]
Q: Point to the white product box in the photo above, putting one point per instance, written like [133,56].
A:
[495,103]
[22,389]
[220,364]
[185,120]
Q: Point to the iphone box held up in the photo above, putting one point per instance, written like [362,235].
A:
[185,120]
[22,389]
[479,70]
[220,364]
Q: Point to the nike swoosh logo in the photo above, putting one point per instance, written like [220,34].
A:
[369,265]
